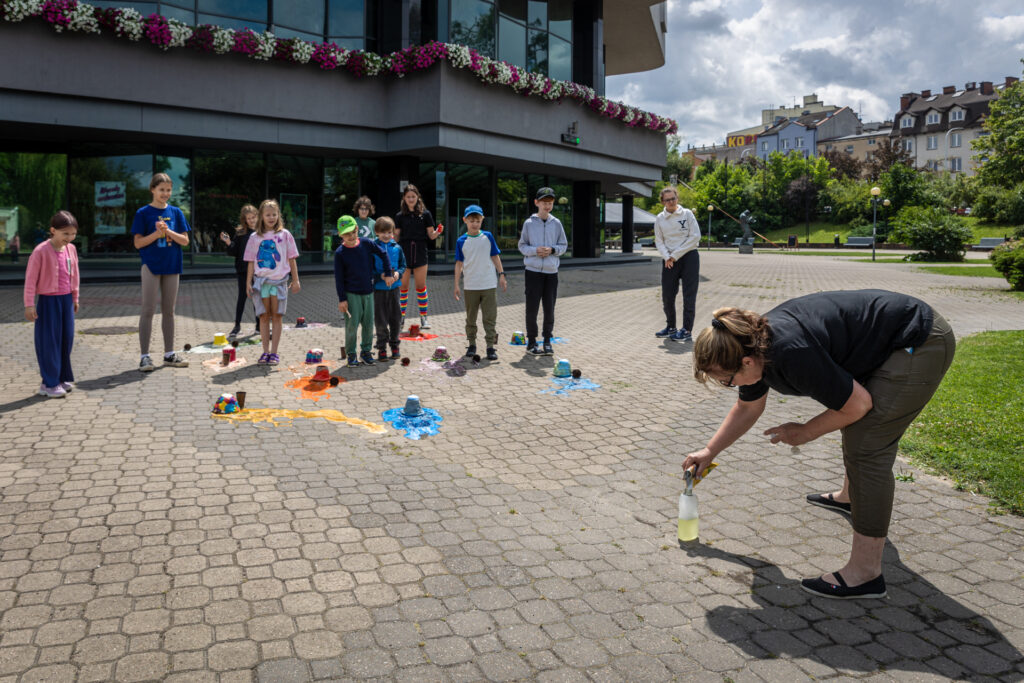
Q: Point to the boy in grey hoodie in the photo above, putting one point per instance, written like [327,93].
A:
[541,243]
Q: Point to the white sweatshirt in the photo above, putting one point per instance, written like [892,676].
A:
[675,234]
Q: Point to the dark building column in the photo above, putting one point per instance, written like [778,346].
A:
[627,224]
[588,44]
[390,172]
[585,218]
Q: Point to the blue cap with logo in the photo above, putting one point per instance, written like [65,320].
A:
[472,209]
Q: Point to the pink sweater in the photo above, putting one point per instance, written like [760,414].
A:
[43,273]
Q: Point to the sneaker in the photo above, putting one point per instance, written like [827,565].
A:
[470,351]
[176,361]
[353,362]
[827,501]
[263,359]
[146,364]
[273,359]
[667,332]
[533,349]
[875,588]
[67,386]
[548,351]
[367,357]
[234,331]
[395,355]
[382,356]
[681,335]
[491,353]
[52,392]
[424,325]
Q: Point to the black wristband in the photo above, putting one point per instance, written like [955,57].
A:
[501,274]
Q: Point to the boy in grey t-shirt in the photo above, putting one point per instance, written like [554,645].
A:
[478,258]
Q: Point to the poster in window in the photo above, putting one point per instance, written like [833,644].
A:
[109,207]
[293,214]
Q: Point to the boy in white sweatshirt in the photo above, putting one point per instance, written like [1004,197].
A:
[677,236]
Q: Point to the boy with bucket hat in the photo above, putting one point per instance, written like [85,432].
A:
[541,243]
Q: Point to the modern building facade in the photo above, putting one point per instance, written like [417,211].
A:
[937,128]
[86,119]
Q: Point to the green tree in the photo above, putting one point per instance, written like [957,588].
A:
[1001,152]
[885,156]
[902,186]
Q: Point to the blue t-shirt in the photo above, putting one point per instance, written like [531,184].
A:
[166,259]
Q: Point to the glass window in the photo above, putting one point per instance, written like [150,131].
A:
[513,9]
[297,185]
[31,190]
[345,18]
[560,18]
[349,43]
[907,122]
[537,52]
[473,24]
[956,115]
[513,210]
[933,118]
[282,32]
[106,191]
[956,164]
[341,190]
[954,140]
[538,14]
[467,184]
[908,145]
[559,59]
[563,204]
[237,24]
[255,10]
[933,142]
[186,4]
[303,15]
[186,16]
[180,170]
[144,8]
[511,42]
[224,182]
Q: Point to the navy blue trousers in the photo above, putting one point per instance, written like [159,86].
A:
[55,333]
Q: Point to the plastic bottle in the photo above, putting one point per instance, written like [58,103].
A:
[689,519]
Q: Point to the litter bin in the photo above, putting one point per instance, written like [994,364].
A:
[835,240]
[792,242]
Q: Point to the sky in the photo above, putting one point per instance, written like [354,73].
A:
[726,60]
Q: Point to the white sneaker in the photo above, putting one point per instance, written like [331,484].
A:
[68,387]
[424,325]
[52,392]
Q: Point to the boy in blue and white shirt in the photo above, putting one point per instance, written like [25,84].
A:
[478,258]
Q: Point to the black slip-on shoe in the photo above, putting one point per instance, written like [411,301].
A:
[875,588]
[825,500]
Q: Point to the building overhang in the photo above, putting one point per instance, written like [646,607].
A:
[634,35]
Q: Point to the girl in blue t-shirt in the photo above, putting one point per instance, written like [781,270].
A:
[160,231]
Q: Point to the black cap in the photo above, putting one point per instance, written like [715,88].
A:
[545,192]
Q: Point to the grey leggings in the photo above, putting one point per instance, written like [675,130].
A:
[164,288]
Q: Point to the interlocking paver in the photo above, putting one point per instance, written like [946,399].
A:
[533,538]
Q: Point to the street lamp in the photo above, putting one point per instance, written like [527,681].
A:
[875,191]
[711,209]
[949,156]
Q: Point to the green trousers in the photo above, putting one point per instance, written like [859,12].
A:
[487,301]
[360,313]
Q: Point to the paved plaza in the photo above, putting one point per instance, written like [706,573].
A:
[533,538]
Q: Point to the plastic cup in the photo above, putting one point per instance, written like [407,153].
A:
[240,397]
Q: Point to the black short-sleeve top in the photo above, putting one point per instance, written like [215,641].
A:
[822,342]
[413,228]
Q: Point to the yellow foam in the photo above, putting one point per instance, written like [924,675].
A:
[270,415]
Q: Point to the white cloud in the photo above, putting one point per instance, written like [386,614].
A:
[728,59]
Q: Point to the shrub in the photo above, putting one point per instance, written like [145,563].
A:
[939,235]
[1008,259]
[1000,205]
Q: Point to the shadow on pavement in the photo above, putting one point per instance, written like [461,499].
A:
[535,366]
[21,403]
[916,628]
[113,381]
[676,348]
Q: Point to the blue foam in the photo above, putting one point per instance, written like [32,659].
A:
[414,427]
[563,385]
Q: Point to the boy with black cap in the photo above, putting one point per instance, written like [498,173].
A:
[354,280]
[478,258]
[541,243]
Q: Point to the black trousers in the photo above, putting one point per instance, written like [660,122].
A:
[241,275]
[541,290]
[687,271]
[387,317]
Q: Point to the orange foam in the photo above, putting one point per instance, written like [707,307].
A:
[309,389]
[422,336]
[271,415]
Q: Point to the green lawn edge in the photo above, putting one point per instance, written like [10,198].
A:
[972,431]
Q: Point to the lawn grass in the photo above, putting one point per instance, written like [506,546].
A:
[824,232]
[969,271]
[972,431]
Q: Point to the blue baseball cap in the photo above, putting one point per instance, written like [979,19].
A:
[472,209]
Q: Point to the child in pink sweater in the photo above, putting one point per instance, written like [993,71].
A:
[52,275]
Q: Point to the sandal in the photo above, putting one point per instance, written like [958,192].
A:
[263,359]
[273,359]
[827,501]
[875,588]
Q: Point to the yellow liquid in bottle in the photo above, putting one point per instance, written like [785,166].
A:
[688,529]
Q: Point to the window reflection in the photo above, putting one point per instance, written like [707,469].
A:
[559,59]
[537,52]
[301,15]
[560,18]
[346,18]
[511,42]
[538,14]
[255,10]
[513,9]
[473,25]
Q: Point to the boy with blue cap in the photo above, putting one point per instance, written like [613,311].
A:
[478,259]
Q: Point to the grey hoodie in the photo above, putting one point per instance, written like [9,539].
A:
[542,233]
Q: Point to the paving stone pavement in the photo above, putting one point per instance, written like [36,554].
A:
[532,539]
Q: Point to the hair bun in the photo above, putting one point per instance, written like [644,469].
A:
[718,325]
